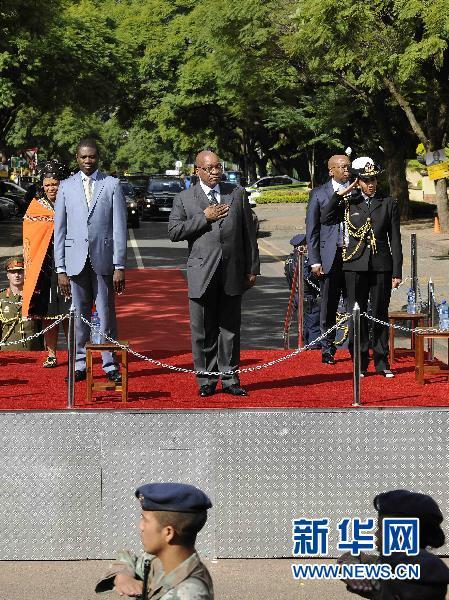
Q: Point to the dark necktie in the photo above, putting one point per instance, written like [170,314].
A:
[212,197]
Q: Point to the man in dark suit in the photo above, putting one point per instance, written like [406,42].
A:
[223,261]
[325,247]
[372,260]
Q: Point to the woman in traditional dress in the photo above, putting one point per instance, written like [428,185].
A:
[41,295]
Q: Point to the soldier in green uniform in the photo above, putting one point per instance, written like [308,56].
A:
[12,327]
[170,568]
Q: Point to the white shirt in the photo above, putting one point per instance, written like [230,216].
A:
[206,189]
[368,198]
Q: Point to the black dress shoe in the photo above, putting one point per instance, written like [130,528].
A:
[327,359]
[79,376]
[114,376]
[388,373]
[206,390]
[234,390]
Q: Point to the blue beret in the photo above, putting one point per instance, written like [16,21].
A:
[176,497]
[409,504]
[298,240]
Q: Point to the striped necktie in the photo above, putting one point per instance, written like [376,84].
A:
[212,197]
[88,188]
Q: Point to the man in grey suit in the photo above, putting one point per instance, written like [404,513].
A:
[223,261]
[90,250]
[325,250]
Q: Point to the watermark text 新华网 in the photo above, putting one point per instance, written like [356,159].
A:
[399,535]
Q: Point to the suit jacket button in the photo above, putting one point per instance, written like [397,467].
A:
[86,240]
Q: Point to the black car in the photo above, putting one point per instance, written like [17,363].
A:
[161,190]
[132,203]
[139,181]
[16,194]
[25,181]
[8,209]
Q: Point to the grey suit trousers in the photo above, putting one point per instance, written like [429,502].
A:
[215,328]
[88,288]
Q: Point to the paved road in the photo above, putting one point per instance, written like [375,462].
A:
[255,579]
[233,580]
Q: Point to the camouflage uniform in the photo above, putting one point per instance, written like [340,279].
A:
[189,581]
[13,328]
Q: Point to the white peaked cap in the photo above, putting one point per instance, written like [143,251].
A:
[359,163]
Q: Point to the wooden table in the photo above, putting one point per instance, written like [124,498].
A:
[417,320]
[102,386]
[423,367]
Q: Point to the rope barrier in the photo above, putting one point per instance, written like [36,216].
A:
[400,327]
[403,282]
[28,319]
[344,319]
[215,373]
[13,302]
[35,335]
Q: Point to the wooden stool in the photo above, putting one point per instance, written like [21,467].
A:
[417,319]
[421,368]
[107,385]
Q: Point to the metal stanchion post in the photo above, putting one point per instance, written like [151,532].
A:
[288,315]
[71,361]
[430,316]
[300,299]
[356,353]
[414,264]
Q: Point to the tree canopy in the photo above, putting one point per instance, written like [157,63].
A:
[277,85]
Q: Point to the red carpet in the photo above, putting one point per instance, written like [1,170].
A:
[154,311]
[153,316]
[302,382]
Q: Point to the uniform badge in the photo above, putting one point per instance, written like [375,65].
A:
[369,168]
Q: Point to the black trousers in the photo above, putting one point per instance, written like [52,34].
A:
[215,328]
[332,286]
[375,286]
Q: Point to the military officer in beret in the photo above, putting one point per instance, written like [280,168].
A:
[169,568]
[434,574]
[12,327]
